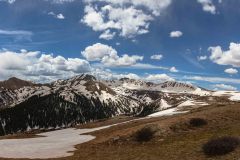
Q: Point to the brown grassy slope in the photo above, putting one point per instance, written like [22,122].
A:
[15,83]
[174,141]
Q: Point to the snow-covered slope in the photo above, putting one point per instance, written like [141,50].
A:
[168,87]
[84,98]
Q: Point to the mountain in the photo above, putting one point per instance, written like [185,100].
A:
[63,103]
[15,83]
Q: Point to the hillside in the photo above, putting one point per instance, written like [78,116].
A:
[26,106]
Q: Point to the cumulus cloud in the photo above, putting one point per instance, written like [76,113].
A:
[125,60]
[16,61]
[35,65]
[157,57]
[155,6]
[231,71]
[107,35]
[128,75]
[109,56]
[125,16]
[229,57]
[97,51]
[60,16]
[176,34]
[107,74]
[159,78]
[225,87]
[208,6]
[202,58]
[173,69]
[129,21]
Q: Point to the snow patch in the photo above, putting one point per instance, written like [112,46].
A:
[164,104]
[55,144]
[201,92]
[168,112]
[235,97]
[192,103]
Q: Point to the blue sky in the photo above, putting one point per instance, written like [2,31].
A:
[193,41]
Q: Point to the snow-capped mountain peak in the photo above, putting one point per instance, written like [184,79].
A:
[83,98]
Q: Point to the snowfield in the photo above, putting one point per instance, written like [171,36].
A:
[53,144]
[192,103]
[60,143]
[233,95]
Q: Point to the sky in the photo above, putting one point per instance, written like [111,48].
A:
[193,41]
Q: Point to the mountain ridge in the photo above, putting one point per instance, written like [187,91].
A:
[15,83]
[83,98]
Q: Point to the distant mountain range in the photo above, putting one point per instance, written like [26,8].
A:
[25,105]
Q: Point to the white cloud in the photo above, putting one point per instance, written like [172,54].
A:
[109,56]
[231,71]
[107,74]
[125,60]
[107,35]
[202,58]
[157,57]
[159,78]
[173,69]
[34,65]
[155,6]
[16,61]
[53,1]
[16,32]
[62,1]
[208,6]
[225,87]
[125,16]
[229,57]
[176,34]
[58,16]
[110,75]
[9,1]
[213,79]
[129,21]
[129,75]
[97,51]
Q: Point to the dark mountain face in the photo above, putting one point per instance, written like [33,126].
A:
[53,111]
[63,103]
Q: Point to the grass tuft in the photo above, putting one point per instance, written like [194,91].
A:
[197,122]
[145,134]
[220,146]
